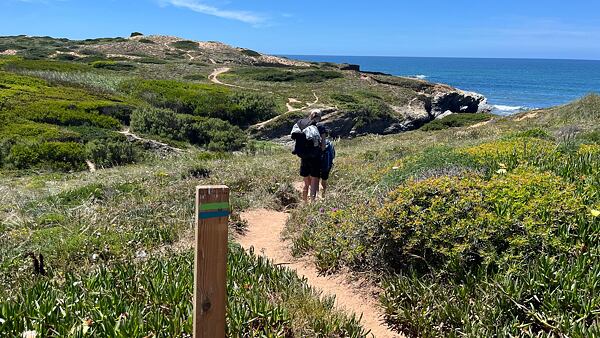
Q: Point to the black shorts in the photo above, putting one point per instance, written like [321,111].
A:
[325,174]
[310,167]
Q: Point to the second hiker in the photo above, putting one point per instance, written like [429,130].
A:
[309,147]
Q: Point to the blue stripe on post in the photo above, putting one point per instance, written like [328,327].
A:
[213,214]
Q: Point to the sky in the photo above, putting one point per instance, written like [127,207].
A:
[555,29]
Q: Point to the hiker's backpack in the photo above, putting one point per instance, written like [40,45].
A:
[304,148]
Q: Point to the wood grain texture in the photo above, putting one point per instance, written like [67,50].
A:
[210,265]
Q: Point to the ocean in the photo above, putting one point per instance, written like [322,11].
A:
[511,85]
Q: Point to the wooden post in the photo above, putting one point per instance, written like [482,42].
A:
[210,261]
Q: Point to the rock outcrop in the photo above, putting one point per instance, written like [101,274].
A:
[423,108]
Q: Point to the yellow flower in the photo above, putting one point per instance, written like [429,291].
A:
[595,212]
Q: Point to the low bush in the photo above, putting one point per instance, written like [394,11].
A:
[344,98]
[151,60]
[367,112]
[65,156]
[195,77]
[532,133]
[204,100]
[70,114]
[58,66]
[108,153]
[113,65]
[185,44]
[215,134]
[250,52]
[456,120]
[458,224]
[277,75]
[148,41]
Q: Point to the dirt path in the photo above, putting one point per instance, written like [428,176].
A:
[264,234]
[154,144]
[291,100]
[213,77]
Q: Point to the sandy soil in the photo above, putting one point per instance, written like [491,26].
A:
[213,77]
[264,234]
[527,116]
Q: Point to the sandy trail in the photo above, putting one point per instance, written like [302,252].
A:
[264,234]
[213,77]
[291,100]
[127,133]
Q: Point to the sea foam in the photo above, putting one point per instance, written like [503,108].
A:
[507,110]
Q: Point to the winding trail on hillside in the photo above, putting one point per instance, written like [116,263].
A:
[264,235]
[153,143]
[213,77]
[291,100]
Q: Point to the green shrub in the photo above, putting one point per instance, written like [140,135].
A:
[368,111]
[456,120]
[65,156]
[431,162]
[590,137]
[277,75]
[111,153]
[70,114]
[151,60]
[135,34]
[148,41]
[533,133]
[344,98]
[215,134]
[36,53]
[182,97]
[185,44]
[58,66]
[156,122]
[458,224]
[250,52]
[77,196]
[195,77]
[204,100]
[250,108]
[112,65]
[66,57]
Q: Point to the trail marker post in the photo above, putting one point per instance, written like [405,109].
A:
[210,261]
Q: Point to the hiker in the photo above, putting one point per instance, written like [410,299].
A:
[309,147]
[326,158]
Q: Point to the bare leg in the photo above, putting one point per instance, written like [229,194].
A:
[314,187]
[305,190]
[323,187]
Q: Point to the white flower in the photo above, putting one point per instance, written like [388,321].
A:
[94,257]
[501,171]
[395,168]
[30,334]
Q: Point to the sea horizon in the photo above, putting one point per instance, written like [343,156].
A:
[438,57]
[511,84]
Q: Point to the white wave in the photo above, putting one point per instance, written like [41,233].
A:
[420,76]
[507,110]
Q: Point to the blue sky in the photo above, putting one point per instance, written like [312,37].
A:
[467,28]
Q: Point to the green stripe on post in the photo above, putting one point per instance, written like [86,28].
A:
[214,206]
